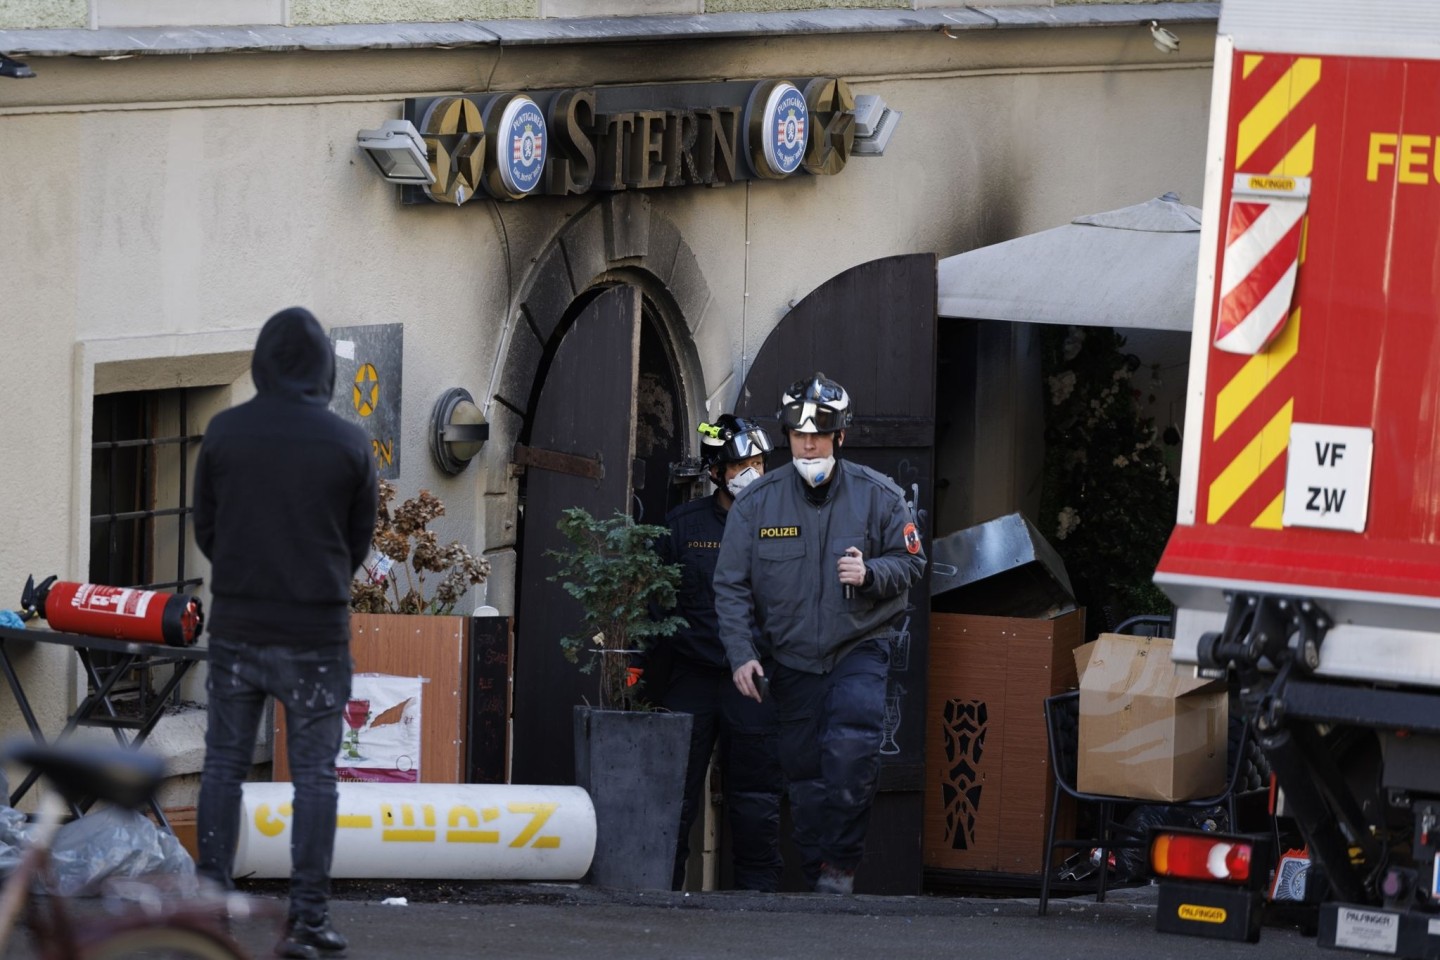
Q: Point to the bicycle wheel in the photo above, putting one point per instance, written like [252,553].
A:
[169,943]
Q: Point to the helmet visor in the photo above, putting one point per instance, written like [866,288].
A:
[821,419]
[743,446]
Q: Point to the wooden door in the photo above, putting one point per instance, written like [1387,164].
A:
[872,328]
[578,453]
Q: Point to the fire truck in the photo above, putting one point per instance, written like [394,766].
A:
[1305,562]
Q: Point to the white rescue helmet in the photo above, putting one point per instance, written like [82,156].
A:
[816,405]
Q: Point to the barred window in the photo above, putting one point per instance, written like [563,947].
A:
[142,461]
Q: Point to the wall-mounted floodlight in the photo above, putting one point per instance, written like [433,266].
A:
[457,430]
[398,152]
[1164,40]
[874,125]
[10,67]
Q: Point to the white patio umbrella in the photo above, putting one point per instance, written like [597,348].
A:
[1132,267]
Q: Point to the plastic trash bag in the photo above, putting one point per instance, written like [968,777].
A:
[1134,863]
[14,835]
[113,843]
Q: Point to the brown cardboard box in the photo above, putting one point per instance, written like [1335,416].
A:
[987,765]
[1146,732]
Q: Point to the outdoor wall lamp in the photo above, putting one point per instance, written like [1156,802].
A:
[398,152]
[10,67]
[875,123]
[457,430]
[1164,40]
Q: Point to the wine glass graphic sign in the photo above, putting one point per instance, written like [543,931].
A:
[891,722]
[356,713]
[900,648]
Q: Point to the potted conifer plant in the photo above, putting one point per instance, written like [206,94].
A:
[631,759]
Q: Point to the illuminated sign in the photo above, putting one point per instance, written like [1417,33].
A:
[592,139]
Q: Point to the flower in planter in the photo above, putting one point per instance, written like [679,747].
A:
[612,569]
[406,551]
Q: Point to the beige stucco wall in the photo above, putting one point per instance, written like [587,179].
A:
[164,207]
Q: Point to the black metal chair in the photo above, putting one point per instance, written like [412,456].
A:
[1246,773]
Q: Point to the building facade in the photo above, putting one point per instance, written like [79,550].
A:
[170,184]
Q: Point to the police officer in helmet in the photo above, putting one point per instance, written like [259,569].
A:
[699,679]
[817,560]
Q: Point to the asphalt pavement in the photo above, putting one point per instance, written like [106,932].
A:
[548,921]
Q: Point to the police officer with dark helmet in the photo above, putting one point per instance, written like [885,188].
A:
[699,680]
[818,557]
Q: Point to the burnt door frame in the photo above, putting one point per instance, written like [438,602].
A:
[575,407]
[577,449]
[873,329]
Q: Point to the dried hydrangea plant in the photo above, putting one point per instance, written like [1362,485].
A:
[408,557]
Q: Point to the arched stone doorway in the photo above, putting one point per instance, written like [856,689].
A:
[600,383]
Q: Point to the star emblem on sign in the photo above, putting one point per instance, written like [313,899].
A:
[832,111]
[455,146]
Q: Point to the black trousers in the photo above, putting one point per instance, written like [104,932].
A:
[745,732]
[313,684]
[831,727]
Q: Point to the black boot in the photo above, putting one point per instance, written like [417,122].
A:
[304,940]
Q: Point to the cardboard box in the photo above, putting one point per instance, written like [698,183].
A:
[1146,732]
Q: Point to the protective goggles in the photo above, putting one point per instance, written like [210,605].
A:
[821,418]
[743,446]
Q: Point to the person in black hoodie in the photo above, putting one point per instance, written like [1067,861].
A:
[285,500]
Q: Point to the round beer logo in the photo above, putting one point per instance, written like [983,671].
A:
[521,146]
[787,121]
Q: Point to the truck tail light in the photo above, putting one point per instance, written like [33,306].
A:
[1205,857]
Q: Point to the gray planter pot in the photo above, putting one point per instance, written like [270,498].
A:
[633,767]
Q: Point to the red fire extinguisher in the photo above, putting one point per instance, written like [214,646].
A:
[123,613]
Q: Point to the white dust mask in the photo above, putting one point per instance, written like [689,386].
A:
[742,480]
[815,470]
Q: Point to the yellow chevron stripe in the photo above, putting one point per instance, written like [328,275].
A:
[1270,517]
[1252,60]
[1255,376]
[1246,468]
[1274,107]
[1300,161]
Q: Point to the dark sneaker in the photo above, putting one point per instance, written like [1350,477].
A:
[835,880]
[307,941]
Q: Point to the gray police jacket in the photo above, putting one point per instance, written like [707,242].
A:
[777,565]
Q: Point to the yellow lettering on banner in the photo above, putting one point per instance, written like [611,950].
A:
[357,821]
[1272,183]
[268,825]
[470,817]
[407,821]
[1378,156]
[490,813]
[1202,914]
[539,813]
[1415,157]
[1413,154]
[384,450]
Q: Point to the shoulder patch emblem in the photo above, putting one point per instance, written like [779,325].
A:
[912,538]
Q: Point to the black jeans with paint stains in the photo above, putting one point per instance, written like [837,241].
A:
[313,683]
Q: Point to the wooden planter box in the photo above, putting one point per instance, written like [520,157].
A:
[988,781]
[436,648]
